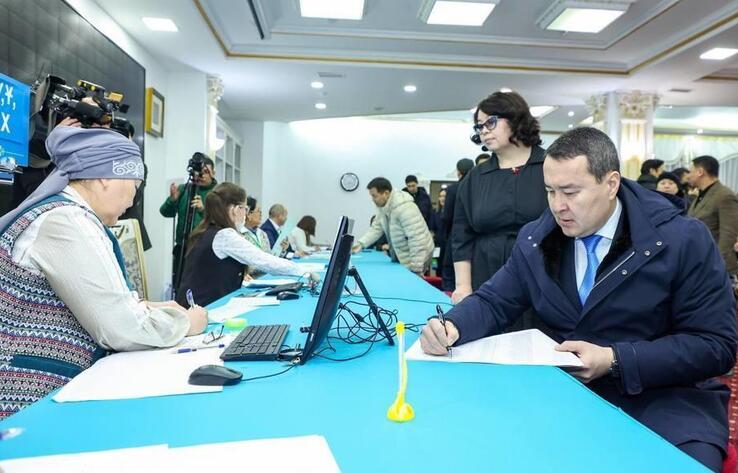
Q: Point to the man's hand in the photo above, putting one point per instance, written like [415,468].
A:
[356,248]
[198,319]
[596,360]
[460,293]
[197,203]
[174,192]
[433,338]
[69,121]
[384,247]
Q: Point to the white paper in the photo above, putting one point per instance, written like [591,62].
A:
[151,459]
[311,267]
[138,374]
[309,454]
[238,306]
[267,282]
[527,347]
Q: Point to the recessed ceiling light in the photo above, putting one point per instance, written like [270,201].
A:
[587,121]
[540,111]
[581,16]
[316,84]
[571,113]
[410,88]
[505,90]
[473,109]
[333,9]
[159,24]
[700,131]
[457,13]
[718,54]
[571,126]
[320,106]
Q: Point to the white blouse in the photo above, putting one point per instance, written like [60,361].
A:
[298,241]
[70,247]
[228,242]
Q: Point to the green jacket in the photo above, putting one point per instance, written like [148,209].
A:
[179,208]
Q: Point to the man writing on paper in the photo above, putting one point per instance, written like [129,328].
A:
[637,291]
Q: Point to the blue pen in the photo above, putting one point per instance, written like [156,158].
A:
[187,350]
[10,433]
[190,299]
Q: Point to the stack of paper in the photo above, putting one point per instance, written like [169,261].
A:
[239,306]
[267,282]
[311,267]
[132,375]
[527,347]
[309,454]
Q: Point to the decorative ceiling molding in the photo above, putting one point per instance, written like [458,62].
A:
[472,64]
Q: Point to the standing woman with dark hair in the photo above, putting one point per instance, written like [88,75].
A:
[499,196]
[217,252]
[300,238]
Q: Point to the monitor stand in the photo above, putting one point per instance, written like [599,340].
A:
[354,273]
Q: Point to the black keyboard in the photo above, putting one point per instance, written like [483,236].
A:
[256,343]
[293,287]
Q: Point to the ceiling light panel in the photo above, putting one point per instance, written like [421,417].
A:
[540,111]
[582,16]
[718,54]
[332,9]
[456,12]
[159,24]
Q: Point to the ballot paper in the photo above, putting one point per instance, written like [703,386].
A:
[311,267]
[267,282]
[151,459]
[308,454]
[138,374]
[238,306]
[527,347]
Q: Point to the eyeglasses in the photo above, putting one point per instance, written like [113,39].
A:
[212,336]
[490,124]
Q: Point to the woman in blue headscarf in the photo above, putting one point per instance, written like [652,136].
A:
[64,295]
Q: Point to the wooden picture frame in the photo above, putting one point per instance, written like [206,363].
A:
[154,113]
[128,234]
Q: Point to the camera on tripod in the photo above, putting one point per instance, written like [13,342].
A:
[62,101]
[196,164]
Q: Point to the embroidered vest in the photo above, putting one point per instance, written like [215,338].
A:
[42,345]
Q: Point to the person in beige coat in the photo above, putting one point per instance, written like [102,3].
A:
[400,220]
[716,206]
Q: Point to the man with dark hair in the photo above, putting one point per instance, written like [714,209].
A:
[625,282]
[717,207]
[174,206]
[273,224]
[398,219]
[651,169]
[420,196]
[448,277]
[482,158]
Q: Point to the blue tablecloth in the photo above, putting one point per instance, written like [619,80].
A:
[469,417]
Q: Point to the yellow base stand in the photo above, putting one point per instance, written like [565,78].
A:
[401,411]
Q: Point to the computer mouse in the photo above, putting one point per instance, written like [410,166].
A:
[287,296]
[215,375]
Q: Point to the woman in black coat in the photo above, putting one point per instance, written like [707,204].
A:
[499,196]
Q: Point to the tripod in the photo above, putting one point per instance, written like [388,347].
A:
[354,273]
[189,192]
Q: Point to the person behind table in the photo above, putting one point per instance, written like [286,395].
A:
[65,300]
[253,233]
[301,237]
[636,290]
[218,252]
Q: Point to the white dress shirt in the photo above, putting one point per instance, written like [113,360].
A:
[607,232]
[228,242]
[298,241]
[70,247]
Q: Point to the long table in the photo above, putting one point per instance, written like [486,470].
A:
[469,417]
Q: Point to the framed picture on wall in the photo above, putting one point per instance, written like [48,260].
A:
[154,112]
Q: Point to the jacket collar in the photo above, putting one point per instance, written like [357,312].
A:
[537,155]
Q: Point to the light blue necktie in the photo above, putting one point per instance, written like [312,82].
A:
[590,244]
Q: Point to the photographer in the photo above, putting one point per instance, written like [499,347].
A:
[174,205]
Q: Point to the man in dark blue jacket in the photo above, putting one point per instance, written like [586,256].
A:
[637,291]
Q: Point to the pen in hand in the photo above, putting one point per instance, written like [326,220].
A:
[439,311]
[190,298]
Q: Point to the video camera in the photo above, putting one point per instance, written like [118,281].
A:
[62,100]
[194,167]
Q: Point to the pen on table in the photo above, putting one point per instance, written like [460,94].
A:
[10,433]
[187,350]
[439,311]
[190,299]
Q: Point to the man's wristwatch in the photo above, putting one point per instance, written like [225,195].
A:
[614,366]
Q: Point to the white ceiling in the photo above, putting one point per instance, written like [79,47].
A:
[653,47]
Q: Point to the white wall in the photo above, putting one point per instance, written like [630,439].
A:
[184,133]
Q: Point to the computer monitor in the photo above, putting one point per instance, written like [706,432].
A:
[330,294]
